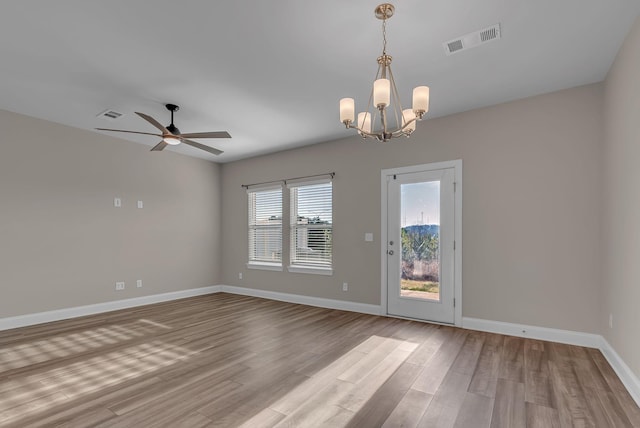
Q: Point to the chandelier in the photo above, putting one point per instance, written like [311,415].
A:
[394,121]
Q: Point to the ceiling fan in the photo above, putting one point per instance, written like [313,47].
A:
[171,134]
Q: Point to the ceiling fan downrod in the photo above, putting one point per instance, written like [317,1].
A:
[172,128]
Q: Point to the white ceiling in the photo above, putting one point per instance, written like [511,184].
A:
[271,72]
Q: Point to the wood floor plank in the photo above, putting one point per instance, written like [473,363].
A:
[365,388]
[542,417]
[509,410]
[621,394]
[447,401]
[536,357]
[434,372]
[606,409]
[266,418]
[89,418]
[538,389]
[225,361]
[309,388]
[475,411]
[409,410]
[78,408]
[235,410]
[485,377]
[467,359]
[322,409]
[512,361]
[570,399]
[386,398]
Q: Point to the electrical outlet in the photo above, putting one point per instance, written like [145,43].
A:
[139,283]
[345,286]
[119,286]
[240,275]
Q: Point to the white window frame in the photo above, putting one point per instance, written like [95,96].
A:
[296,265]
[252,262]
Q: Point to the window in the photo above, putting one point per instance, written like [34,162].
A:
[311,224]
[265,228]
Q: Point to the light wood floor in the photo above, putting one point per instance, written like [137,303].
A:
[225,360]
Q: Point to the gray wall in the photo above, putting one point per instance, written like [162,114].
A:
[62,242]
[531,208]
[620,291]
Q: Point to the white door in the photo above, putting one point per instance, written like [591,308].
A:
[420,245]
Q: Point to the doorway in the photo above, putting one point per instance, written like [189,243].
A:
[421,246]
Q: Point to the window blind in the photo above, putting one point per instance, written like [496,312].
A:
[311,223]
[265,225]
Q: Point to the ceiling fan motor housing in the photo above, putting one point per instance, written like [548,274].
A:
[172,128]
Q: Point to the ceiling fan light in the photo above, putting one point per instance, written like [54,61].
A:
[172,141]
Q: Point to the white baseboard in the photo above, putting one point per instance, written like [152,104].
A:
[532,332]
[80,311]
[628,378]
[626,375]
[342,305]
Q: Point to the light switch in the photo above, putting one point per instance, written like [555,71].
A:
[368,237]
[141,204]
[117,202]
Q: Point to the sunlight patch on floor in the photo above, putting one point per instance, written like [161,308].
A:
[332,396]
[39,351]
[22,397]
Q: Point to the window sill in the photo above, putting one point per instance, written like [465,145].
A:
[310,270]
[264,266]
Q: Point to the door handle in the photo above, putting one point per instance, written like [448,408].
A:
[391,252]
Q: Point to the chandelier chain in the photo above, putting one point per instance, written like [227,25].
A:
[384,36]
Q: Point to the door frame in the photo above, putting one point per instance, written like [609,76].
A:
[457,231]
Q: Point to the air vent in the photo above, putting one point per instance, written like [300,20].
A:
[110,114]
[456,45]
[489,34]
[472,40]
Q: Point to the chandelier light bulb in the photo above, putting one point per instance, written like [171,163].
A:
[347,110]
[421,100]
[381,93]
[408,121]
[364,121]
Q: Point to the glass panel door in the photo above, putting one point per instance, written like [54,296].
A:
[420,247]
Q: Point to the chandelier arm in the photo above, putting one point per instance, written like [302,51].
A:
[370,103]
[383,120]
[364,134]
[401,130]
[394,94]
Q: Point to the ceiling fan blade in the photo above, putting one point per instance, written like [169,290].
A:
[220,134]
[159,147]
[128,132]
[154,122]
[201,146]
